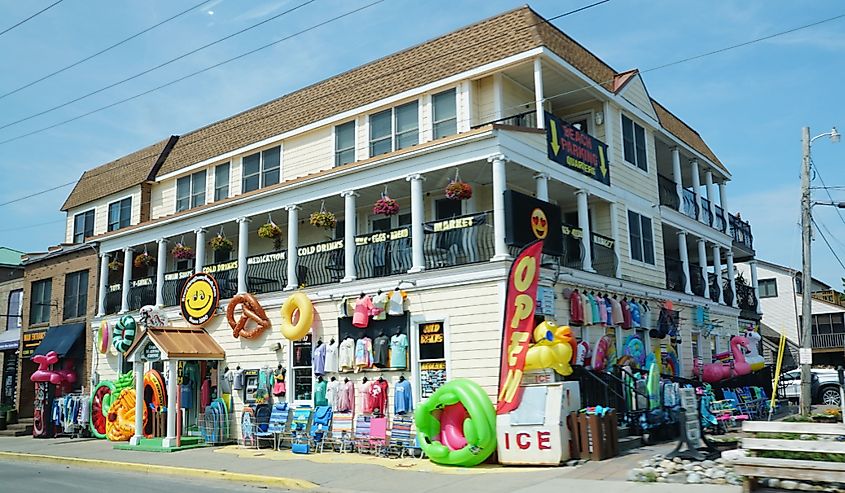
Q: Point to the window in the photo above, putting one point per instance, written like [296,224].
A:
[13,309]
[392,222]
[444,110]
[76,295]
[394,129]
[828,323]
[261,169]
[120,213]
[39,304]
[768,288]
[303,379]
[380,133]
[642,241]
[407,125]
[447,208]
[344,143]
[83,226]
[221,181]
[190,191]
[633,140]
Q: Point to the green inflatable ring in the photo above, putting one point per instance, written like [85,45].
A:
[124,333]
[97,403]
[456,425]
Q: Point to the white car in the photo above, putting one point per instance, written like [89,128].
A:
[824,388]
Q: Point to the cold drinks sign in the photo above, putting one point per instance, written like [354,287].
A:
[576,149]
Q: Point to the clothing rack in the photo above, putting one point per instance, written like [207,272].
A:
[70,414]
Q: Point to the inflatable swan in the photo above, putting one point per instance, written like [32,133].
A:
[754,358]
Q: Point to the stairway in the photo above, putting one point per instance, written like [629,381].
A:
[22,428]
[627,441]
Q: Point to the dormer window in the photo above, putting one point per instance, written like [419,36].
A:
[120,214]
[190,191]
[261,169]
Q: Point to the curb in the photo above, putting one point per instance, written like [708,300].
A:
[279,482]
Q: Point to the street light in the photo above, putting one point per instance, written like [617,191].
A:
[806,350]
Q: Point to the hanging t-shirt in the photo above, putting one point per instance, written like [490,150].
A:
[331,357]
[366,398]
[381,345]
[379,311]
[402,401]
[363,353]
[576,309]
[226,383]
[333,393]
[398,351]
[602,310]
[616,311]
[394,306]
[626,315]
[346,398]
[318,359]
[238,379]
[609,307]
[587,308]
[320,394]
[187,397]
[635,314]
[378,393]
[346,358]
[361,317]
[594,305]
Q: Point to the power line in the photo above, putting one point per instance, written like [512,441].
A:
[35,194]
[30,226]
[828,245]
[45,9]
[816,169]
[104,50]
[151,69]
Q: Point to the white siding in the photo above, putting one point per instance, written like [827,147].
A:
[637,94]
[516,98]
[163,199]
[101,211]
[483,100]
[308,153]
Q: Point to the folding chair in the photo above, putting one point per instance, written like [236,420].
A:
[299,426]
[378,435]
[248,428]
[279,422]
[341,437]
[740,404]
[262,425]
[320,425]
[362,434]
[400,437]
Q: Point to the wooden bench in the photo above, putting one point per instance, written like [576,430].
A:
[795,469]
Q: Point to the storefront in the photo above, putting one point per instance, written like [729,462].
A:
[9,342]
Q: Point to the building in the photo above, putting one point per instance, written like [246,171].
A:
[11,294]
[780,298]
[641,203]
[60,292]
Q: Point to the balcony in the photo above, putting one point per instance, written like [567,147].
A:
[604,257]
[714,287]
[668,192]
[706,215]
[141,292]
[745,298]
[719,220]
[113,298]
[675,277]
[740,231]
[696,280]
[690,206]
[525,120]
[829,341]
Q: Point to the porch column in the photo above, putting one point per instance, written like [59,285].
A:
[199,260]
[127,278]
[717,269]
[243,250]
[677,175]
[542,182]
[696,186]
[173,372]
[614,231]
[498,114]
[161,265]
[417,219]
[682,248]
[293,245]
[538,92]
[723,201]
[104,284]
[499,185]
[711,196]
[754,285]
[584,225]
[729,257]
[702,263]
[138,368]
[350,229]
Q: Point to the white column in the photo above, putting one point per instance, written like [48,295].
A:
[161,265]
[729,256]
[754,285]
[417,219]
[138,367]
[499,185]
[104,284]
[723,201]
[199,260]
[350,229]
[127,277]
[717,269]
[584,225]
[293,245]
[711,196]
[498,97]
[614,231]
[243,250]
[538,92]
[696,185]
[172,371]
[702,263]
[542,182]
[682,249]
[677,175]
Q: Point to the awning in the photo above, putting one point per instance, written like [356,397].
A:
[60,339]
[10,339]
[192,343]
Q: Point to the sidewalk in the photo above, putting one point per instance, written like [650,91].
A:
[347,472]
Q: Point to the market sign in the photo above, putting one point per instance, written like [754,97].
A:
[200,298]
[528,219]
[151,352]
[576,150]
[31,340]
[455,223]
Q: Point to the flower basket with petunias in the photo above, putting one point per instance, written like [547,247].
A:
[386,206]
[457,189]
[273,232]
[115,265]
[144,260]
[182,252]
[323,218]
[221,244]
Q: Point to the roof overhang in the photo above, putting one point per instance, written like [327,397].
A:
[177,343]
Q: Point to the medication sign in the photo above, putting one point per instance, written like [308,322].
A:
[576,149]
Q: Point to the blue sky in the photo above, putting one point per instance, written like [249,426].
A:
[749,104]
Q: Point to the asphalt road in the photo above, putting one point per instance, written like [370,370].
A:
[23,477]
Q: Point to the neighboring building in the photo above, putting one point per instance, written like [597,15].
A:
[406,125]
[11,298]
[781,302]
[60,292]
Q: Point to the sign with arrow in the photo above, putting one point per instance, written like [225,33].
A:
[577,150]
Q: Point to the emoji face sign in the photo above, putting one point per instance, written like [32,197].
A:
[539,224]
[199,298]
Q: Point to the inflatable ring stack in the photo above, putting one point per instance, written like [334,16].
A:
[120,423]
[124,333]
[103,337]
[155,397]
[98,408]
[297,302]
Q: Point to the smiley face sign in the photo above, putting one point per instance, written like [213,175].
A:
[539,224]
[200,297]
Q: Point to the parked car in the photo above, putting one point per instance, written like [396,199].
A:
[824,387]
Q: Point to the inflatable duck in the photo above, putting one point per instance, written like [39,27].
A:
[553,348]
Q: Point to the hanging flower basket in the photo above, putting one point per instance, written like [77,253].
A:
[115,265]
[323,219]
[386,206]
[221,244]
[458,190]
[273,232]
[144,260]
[182,252]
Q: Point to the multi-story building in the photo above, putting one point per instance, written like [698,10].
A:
[11,295]
[642,221]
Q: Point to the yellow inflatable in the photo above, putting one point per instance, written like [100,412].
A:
[552,349]
[297,302]
[120,422]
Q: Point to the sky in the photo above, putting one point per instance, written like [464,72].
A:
[749,104]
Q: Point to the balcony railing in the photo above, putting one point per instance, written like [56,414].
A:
[383,253]
[690,206]
[719,220]
[142,292]
[745,298]
[834,340]
[714,288]
[706,215]
[267,272]
[320,263]
[740,231]
[675,277]
[728,293]
[458,241]
[113,299]
[668,192]
[173,284]
[527,120]
[696,280]
[573,253]
[604,257]
[226,274]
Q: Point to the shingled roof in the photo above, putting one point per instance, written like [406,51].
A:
[686,133]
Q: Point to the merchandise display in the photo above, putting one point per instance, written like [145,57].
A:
[716,372]
[297,302]
[333,392]
[331,365]
[363,308]
[346,397]
[381,348]
[399,351]
[346,357]
[366,396]
[103,337]
[363,353]
[320,390]
[318,358]
[120,422]
[396,303]
[403,402]
[124,333]
[99,410]
[378,396]
[380,305]
[279,385]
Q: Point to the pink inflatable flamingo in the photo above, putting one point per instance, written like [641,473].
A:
[43,373]
[716,372]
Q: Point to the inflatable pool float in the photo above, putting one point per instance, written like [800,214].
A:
[552,348]
[124,333]
[297,303]
[600,349]
[103,337]
[456,425]
[753,357]
[155,397]
[98,413]
[653,386]
[671,365]
[120,422]
[610,355]
[635,349]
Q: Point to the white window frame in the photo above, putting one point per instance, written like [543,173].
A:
[393,132]
[290,379]
[414,344]
[636,164]
[191,192]
[108,212]
[760,285]
[434,120]
[354,147]
[41,305]
[82,290]
[14,317]
[261,169]
[642,245]
[228,181]
[394,220]
[93,212]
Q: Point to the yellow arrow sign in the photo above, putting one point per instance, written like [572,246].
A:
[554,140]
[602,163]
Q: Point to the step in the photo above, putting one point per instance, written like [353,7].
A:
[624,432]
[14,431]
[629,443]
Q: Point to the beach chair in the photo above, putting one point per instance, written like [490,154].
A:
[362,434]
[741,405]
[247,438]
[756,406]
[341,438]
[279,422]
[299,426]
[321,423]
[401,438]
[262,425]
[728,415]
[378,436]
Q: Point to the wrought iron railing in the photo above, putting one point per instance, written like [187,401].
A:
[714,287]
[675,277]
[142,292]
[740,231]
[728,293]
[458,241]
[573,248]
[834,340]
[696,280]
[706,214]
[114,298]
[226,275]
[527,119]
[690,205]
[604,256]
[745,298]
[668,192]
[383,253]
[267,272]
[171,290]
[719,219]
[320,263]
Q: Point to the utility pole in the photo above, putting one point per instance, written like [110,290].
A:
[806,350]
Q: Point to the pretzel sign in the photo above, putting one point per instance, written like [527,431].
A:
[251,310]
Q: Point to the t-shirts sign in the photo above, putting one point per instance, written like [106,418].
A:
[576,149]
